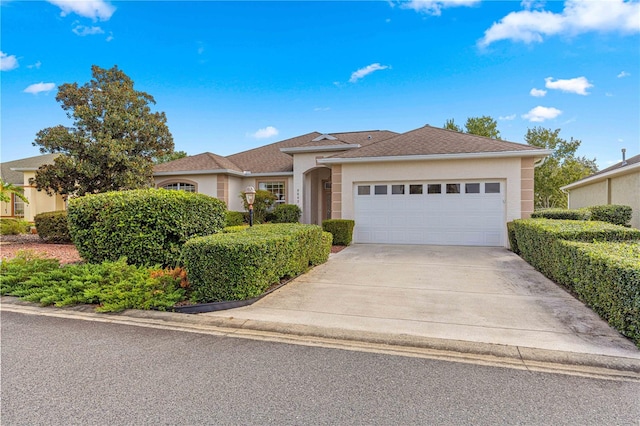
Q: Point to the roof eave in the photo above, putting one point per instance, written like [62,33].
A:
[603,176]
[460,156]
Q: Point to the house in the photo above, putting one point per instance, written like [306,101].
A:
[425,186]
[18,173]
[618,184]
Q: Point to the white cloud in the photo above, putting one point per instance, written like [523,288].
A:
[109,37]
[8,62]
[538,93]
[540,114]
[623,74]
[363,72]
[578,85]
[578,17]
[82,30]
[94,9]
[36,65]
[267,132]
[507,117]
[40,87]
[435,7]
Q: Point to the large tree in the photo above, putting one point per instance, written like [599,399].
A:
[113,142]
[481,126]
[559,169]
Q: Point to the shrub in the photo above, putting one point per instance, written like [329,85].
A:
[511,234]
[577,214]
[234,218]
[114,286]
[286,213]
[13,226]
[242,265]
[53,227]
[262,204]
[146,226]
[616,214]
[341,229]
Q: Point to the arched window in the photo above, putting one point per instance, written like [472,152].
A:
[180,186]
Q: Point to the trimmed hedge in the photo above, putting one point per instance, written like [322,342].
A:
[511,234]
[606,277]
[577,214]
[341,229]
[147,226]
[234,218]
[243,265]
[9,226]
[286,213]
[52,227]
[612,213]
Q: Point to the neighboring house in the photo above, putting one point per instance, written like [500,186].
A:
[18,173]
[618,184]
[425,186]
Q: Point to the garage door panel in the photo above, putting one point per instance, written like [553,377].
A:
[443,219]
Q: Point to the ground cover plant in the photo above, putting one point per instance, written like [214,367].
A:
[113,286]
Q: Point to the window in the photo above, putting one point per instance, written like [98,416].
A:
[415,189]
[434,188]
[380,189]
[472,188]
[492,188]
[453,188]
[18,207]
[397,189]
[181,186]
[364,190]
[277,188]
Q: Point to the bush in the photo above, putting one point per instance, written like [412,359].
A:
[234,218]
[147,226]
[243,265]
[286,213]
[13,226]
[616,214]
[577,214]
[511,234]
[53,227]
[341,229]
[262,204]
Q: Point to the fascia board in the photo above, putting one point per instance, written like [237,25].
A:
[597,178]
[473,155]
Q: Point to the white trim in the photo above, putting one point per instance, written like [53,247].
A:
[270,174]
[472,155]
[325,136]
[323,148]
[603,176]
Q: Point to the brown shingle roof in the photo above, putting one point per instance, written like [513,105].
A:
[429,140]
[205,161]
[17,177]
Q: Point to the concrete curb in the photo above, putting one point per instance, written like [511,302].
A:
[513,356]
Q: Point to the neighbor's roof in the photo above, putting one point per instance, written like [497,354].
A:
[630,165]
[201,162]
[16,177]
[429,140]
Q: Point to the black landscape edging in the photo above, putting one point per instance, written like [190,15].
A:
[202,308]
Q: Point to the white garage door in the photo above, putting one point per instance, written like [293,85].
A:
[442,213]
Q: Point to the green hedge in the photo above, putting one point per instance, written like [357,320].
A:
[341,229]
[511,234]
[286,213]
[612,213]
[606,277]
[576,214]
[242,265]
[234,218]
[52,227]
[9,226]
[147,226]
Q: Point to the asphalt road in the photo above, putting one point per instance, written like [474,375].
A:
[66,372]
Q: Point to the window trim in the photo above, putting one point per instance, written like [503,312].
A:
[178,181]
[285,198]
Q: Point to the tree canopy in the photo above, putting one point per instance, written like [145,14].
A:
[481,126]
[559,169]
[113,141]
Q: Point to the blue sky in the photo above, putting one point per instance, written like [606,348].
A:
[231,76]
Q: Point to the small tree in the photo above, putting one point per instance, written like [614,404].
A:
[483,126]
[451,125]
[262,204]
[113,142]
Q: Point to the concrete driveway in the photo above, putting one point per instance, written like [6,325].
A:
[465,294]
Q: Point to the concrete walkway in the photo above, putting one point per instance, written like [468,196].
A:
[466,295]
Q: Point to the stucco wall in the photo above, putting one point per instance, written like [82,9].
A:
[589,195]
[205,184]
[507,170]
[625,190]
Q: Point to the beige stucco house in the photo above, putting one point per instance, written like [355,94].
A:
[18,173]
[618,184]
[425,186]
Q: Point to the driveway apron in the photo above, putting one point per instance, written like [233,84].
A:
[473,294]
